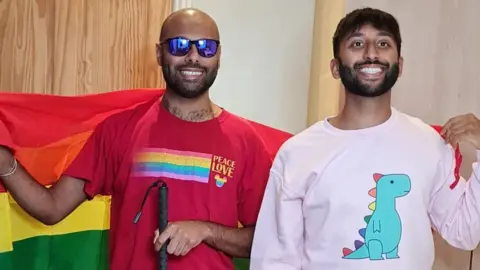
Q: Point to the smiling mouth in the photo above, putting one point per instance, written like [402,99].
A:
[372,71]
[190,74]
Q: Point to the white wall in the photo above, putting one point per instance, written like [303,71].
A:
[265,64]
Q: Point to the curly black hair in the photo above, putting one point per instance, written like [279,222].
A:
[358,18]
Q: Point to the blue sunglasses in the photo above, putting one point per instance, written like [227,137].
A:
[180,46]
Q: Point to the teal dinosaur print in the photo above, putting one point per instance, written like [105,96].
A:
[384,228]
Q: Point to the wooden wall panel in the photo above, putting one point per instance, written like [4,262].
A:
[24,46]
[72,47]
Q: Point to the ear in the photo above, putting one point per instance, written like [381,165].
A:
[334,66]
[400,66]
[219,54]
[159,53]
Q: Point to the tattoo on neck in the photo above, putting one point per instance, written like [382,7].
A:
[191,116]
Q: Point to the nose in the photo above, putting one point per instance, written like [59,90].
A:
[192,55]
[371,52]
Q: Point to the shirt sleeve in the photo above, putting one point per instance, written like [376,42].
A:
[94,163]
[278,239]
[454,209]
[254,180]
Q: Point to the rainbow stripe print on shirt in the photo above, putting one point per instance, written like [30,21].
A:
[180,165]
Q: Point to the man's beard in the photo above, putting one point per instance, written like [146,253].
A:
[353,85]
[188,89]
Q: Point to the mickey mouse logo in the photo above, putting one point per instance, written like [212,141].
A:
[220,181]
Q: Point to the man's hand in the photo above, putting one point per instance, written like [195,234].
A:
[183,235]
[463,128]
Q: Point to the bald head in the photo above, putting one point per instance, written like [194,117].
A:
[191,23]
[189,53]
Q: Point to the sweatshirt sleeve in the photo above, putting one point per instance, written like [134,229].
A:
[454,209]
[278,239]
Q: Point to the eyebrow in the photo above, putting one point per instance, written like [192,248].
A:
[359,34]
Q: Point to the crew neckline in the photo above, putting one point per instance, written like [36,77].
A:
[364,131]
[170,117]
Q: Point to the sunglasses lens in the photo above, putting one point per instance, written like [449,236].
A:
[178,46]
[206,47]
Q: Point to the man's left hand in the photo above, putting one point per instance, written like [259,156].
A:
[463,128]
[183,235]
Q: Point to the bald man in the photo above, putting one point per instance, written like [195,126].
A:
[213,162]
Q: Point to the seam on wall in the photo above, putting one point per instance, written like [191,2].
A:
[179,4]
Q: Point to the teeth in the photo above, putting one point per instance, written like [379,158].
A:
[371,70]
[191,73]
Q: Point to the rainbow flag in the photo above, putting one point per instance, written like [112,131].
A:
[47,132]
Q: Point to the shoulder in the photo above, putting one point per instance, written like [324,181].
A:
[309,138]
[116,134]
[304,146]
[253,132]
[422,132]
[123,118]
[427,137]
[434,145]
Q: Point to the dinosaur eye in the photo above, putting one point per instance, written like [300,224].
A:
[391,181]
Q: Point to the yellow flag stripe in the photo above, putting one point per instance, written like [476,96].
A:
[16,224]
[5,224]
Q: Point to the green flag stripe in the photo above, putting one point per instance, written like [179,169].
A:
[73,251]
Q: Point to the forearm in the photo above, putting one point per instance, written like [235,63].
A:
[456,213]
[34,198]
[236,242]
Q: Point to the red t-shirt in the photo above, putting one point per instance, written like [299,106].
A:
[215,170]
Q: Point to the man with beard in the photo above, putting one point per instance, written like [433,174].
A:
[361,190]
[214,163]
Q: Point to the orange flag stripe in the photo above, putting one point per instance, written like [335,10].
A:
[47,163]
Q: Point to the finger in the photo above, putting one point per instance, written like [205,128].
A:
[182,245]
[457,138]
[456,129]
[186,250]
[447,136]
[172,246]
[461,129]
[156,235]
[450,138]
[190,245]
[454,121]
[164,236]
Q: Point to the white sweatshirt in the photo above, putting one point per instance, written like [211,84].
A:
[364,200]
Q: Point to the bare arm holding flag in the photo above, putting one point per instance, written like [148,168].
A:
[48,205]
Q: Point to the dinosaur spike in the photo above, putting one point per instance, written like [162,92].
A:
[346,251]
[377,176]
[362,232]
[373,192]
[358,244]
[372,206]
[367,218]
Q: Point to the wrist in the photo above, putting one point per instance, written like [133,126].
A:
[209,231]
[7,160]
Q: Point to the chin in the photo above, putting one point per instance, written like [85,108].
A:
[376,93]
[190,94]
